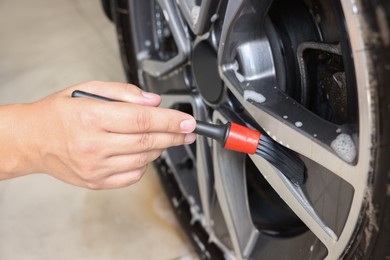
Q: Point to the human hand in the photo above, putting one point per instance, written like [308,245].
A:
[98,144]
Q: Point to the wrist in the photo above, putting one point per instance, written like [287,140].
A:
[18,153]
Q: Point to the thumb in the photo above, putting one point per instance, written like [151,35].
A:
[119,91]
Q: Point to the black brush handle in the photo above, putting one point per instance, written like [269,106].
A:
[217,132]
[82,94]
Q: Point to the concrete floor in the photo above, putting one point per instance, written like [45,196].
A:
[47,45]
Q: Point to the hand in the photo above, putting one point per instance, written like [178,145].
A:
[99,144]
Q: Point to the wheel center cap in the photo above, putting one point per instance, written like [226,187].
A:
[205,71]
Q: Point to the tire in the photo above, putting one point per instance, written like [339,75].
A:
[106,5]
[311,74]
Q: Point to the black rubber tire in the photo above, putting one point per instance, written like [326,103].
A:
[106,5]
[126,45]
[371,239]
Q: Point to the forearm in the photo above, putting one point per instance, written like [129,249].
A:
[16,146]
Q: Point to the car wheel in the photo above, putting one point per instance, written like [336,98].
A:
[312,75]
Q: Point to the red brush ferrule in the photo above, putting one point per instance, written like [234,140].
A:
[242,139]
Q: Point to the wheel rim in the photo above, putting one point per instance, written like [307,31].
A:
[214,181]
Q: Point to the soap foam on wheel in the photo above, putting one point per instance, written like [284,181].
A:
[344,146]
[254,96]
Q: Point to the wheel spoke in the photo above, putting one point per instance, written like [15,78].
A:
[204,176]
[203,155]
[159,68]
[230,185]
[297,201]
[292,125]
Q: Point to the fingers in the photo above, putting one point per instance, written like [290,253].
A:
[118,91]
[128,162]
[125,118]
[130,144]
[120,171]
[136,114]
[118,180]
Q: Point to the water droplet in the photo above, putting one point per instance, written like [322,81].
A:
[298,124]
[318,18]
[214,18]
[355,9]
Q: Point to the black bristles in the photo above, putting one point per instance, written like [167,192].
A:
[285,160]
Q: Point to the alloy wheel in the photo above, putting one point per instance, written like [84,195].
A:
[282,67]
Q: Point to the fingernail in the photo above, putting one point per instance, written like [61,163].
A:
[187,125]
[189,138]
[150,95]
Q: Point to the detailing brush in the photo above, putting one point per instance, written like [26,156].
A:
[240,138]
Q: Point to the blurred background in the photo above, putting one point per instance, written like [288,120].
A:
[45,46]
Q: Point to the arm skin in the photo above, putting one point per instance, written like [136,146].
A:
[86,142]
